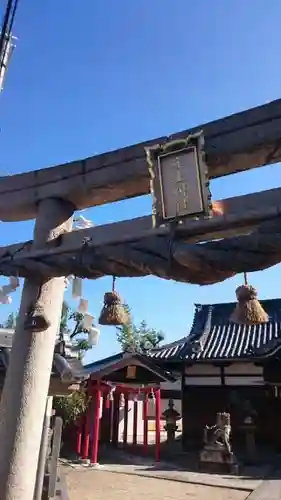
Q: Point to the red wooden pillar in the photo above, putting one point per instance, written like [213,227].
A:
[145,423]
[103,418]
[86,442]
[126,411]
[96,425]
[115,419]
[135,423]
[157,425]
[79,434]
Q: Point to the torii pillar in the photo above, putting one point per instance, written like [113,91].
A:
[27,381]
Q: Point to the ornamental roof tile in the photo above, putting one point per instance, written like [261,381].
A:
[214,337]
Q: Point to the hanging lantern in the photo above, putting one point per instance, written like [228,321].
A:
[113,312]
[248,310]
[93,336]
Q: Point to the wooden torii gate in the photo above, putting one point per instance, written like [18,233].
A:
[237,143]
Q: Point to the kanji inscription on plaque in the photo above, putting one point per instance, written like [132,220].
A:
[179,180]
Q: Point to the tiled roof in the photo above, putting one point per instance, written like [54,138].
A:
[169,351]
[214,337]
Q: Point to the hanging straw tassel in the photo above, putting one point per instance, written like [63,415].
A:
[113,312]
[248,310]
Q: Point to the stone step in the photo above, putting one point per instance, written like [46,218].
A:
[270,489]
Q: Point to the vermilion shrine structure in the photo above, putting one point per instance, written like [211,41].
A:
[239,234]
[112,382]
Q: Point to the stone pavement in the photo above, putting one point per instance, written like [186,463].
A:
[269,489]
[102,485]
[166,472]
[155,481]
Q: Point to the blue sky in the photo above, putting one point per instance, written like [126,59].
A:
[92,76]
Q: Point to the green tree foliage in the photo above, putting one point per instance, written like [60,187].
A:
[70,407]
[10,321]
[72,324]
[138,338]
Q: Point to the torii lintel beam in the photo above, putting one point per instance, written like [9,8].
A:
[238,216]
[238,142]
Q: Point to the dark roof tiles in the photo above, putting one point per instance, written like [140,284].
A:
[214,337]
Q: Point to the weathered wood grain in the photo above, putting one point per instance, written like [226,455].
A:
[239,142]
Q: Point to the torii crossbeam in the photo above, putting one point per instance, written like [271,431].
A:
[247,227]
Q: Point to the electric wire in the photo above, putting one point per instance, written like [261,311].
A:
[7,27]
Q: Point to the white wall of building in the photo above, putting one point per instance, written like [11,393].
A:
[236,374]
[171,386]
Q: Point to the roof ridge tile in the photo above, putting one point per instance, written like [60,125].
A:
[229,341]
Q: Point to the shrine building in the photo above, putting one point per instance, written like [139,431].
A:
[119,390]
[224,366]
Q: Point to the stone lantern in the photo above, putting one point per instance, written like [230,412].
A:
[249,427]
[171,416]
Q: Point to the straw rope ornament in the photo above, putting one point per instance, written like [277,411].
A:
[248,310]
[113,312]
[169,258]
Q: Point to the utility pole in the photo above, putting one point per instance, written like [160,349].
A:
[7,40]
[9,45]
[26,386]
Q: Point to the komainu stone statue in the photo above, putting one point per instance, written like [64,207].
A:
[218,435]
[217,454]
